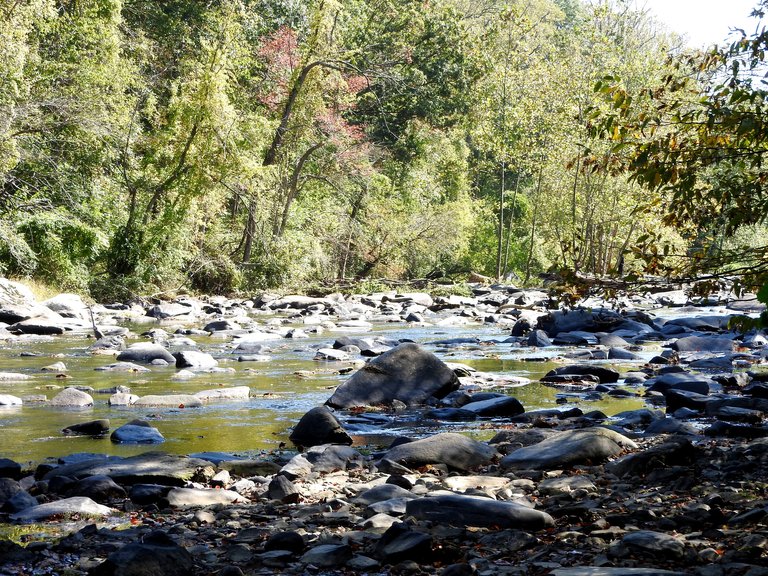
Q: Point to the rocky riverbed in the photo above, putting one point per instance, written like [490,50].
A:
[677,485]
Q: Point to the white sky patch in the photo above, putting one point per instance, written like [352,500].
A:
[704,22]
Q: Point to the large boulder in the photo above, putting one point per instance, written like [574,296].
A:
[72,398]
[569,448]
[319,426]
[598,320]
[137,432]
[145,353]
[605,375]
[147,468]
[68,506]
[460,510]
[454,450]
[406,373]
[703,344]
[68,306]
[194,359]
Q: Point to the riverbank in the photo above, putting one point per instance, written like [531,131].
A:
[677,482]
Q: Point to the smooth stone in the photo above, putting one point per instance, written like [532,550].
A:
[174,400]
[383,492]
[502,406]
[239,393]
[568,449]
[461,510]
[654,544]
[288,540]
[10,469]
[400,543]
[137,432]
[332,457]
[183,497]
[702,344]
[327,555]
[605,375]
[611,571]
[122,399]
[99,488]
[194,359]
[145,353]
[92,428]
[65,507]
[72,398]
[452,449]
[122,367]
[9,400]
[319,426]
[14,376]
[406,373]
[332,355]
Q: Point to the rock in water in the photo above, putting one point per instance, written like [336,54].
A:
[137,432]
[92,428]
[319,426]
[406,373]
[72,398]
[145,353]
[569,448]
[75,505]
[462,511]
[449,448]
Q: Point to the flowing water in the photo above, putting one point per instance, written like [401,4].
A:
[282,390]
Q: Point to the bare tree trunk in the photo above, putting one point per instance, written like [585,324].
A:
[533,228]
[501,220]
[509,227]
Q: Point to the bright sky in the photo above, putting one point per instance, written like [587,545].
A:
[704,22]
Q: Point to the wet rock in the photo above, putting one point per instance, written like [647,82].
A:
[156,555]
[137,432]
[238,393]
[66,507]
[319,426]
[568,449]
[460,510]
[194,359]
[502,406]
[173,400]
[703,344]
[681,381]
[92,428]
[677,399]
[10,469]
[122,367]
[451,414]
[454,450]
[670,425]
[145,353]
[736,430]
[406,373]
[538,338]
[72,398]
[604,375]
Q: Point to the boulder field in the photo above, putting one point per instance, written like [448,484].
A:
[677,487]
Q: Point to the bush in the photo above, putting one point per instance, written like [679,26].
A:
[215,274]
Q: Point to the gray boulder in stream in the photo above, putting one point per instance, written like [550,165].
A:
[450,448]
[460,510]
[569,448]
[145,353]
[319,426]
[406,373]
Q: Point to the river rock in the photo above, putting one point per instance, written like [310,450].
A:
[281,488]
[675,451]
[194,359]
[122,399]
[100,488]
[72,398]
[92,428]
[65,507]
[68,306]
[681,381]
[137,432]
[703,344]
[10,400]
[10,469]
[8,489]
[328,555]
[461,510]
[650,544]
[183,497]
[108,343]
[145,353]
[495,407]
[288,540]
[569,448]
[169,310]
[604,375]
[41,326]
[452,449]
[221,326]
[147,468]
[400,543]
[406,373]
[239,393]
[610,571]
[122,367]
[176,400]
[156,555]
[538,338]
[319,426]
[598,320]
[383,492]
[14,376]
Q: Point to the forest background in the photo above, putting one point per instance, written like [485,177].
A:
[246,144]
